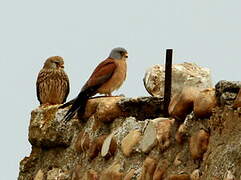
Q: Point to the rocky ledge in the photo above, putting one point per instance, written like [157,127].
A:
[128,138]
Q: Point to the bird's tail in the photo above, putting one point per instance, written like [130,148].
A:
[67,104]
[79,103]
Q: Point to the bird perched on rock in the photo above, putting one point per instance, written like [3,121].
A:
[107,77]
[52,82]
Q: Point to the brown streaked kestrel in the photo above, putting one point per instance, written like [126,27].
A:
[52,82]
[107,77]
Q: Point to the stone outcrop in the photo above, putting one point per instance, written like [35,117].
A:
[183,75]
[128,138]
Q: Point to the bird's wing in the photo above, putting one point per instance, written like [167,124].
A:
[102,73]
[65,84]
[41,77]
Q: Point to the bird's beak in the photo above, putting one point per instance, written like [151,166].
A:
[61,66]
[126,55]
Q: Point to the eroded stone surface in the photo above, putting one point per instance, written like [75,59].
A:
[149,139]
[130,141]
[186,74]
[148,168]
[71,159]
[112,172]
[39,175]
[163,131]
[204,103]
[226,91]
[182,103]
[46,128]
[199,144]
[237,101]
[142,107]
[180,177]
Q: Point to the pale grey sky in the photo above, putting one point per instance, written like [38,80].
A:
[207,32]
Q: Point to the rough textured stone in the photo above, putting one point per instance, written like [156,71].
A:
[199,144]
[70,159]
[163,131]
[182,103]
[129,175]
[47,129]
[109,146]
[229,176]
[195,175]
[130,141]
[112,172]
[56,173]
[83,142]
[223,152]
[226,91]
[186,74]
[95,146]
[159,173]
[142,107]
[103,108]
[39,175]
[91,175]
[148,168]
[204,103]
[180,177]
[181,133]
[149,139]
[177,160]
[237,101]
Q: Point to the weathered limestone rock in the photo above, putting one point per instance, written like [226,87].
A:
[180,177]
[95,146]
[130,174]
[149,139]
[199,144]
[77,174]
[39,175]
[83,142]
[73,153]
[229,176]
[56,173]
[130,141]
[204,103]
[91,175]
[163,131]
[177,160]
[237,101]
[113,172]
[104,109]
[183,75]
[157,132]
[148,168]
[46,128]
[159,173]
[142,107]
[195,174]
[182,103]
[109,146]
[226,91]
[223,152]
[181,133]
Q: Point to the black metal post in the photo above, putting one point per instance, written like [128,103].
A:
[168,81]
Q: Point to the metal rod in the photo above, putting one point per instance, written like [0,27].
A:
[168,81]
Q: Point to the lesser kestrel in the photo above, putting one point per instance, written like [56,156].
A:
[52,82]
[107,77]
